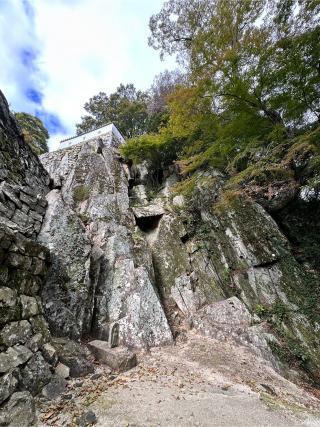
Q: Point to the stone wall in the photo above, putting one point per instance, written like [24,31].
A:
[24,333]
[26,355]
[22,208]
[19,166]
[23,180]
[109,134]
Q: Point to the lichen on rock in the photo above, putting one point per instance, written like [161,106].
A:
[96,279]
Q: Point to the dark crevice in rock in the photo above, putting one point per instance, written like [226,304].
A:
[300,223]
[128,162]
[153,180]
[53,186]
[266,264]
[98,276]
[131,184]
[185,238]
[157,177]
[100,147]
[149,223]
[168,306]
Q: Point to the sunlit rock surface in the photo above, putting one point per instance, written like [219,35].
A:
[97,282]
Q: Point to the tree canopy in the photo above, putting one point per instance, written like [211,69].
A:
[126,108]
[253,75]
[134,112]
[34,132]
[258,54]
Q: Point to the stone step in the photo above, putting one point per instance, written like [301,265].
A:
[119,359]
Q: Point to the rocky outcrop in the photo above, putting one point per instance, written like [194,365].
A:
[101,281]
[215,246]
[138,266]
[255,263]
[66,294]
[231,320]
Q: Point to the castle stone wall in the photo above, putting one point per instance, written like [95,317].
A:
[109,135]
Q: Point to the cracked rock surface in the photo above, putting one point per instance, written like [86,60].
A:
[132,267]
[97,283]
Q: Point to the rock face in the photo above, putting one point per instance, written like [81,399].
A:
[102,280]
[138,268]
[225,268]
[254,262]
[27,356]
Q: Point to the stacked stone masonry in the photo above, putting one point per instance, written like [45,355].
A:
[24,335]
[22,209]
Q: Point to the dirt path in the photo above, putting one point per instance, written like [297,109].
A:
[199,383]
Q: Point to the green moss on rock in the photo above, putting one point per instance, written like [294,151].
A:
[81,193]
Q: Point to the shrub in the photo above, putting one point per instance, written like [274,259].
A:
[260,175]
[159,150]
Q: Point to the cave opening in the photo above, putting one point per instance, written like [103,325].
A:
[185,238]
[148,223]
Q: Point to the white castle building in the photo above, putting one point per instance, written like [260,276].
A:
[109,134]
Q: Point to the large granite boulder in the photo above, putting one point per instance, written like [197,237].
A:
[97,284]
[67,293]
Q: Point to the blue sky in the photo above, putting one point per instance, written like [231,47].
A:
[56,54]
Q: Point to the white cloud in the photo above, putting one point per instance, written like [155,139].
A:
[80,56]
[85,46]
[14,40]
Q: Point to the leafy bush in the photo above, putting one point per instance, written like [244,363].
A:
[159,150]
[260,175]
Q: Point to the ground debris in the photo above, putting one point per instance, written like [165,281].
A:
[192,382]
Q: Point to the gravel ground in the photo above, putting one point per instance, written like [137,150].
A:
[201,382]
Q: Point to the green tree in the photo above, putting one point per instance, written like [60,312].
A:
[126,108]
[34,132]
[252,86]
[296,74]
[252,54]
[178,24]
[164,84]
